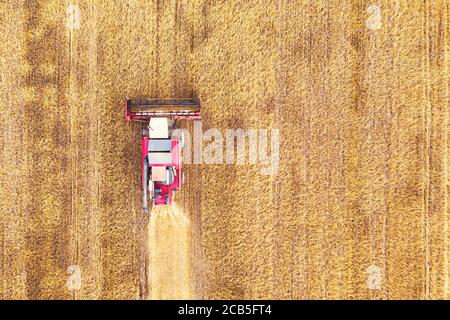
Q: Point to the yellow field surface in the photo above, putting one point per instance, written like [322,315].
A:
[359,91]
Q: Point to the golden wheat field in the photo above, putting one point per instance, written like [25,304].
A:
[358,209]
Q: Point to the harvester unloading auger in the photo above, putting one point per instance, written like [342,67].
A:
[161,149]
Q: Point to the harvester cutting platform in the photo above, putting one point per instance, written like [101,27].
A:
[161,148]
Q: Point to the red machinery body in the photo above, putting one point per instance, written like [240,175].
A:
[161,150]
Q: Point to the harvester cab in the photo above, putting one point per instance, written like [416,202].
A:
[161,147]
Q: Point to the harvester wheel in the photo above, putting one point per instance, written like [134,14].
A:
[144,131]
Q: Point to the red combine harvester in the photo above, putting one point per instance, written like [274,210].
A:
[161,150]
